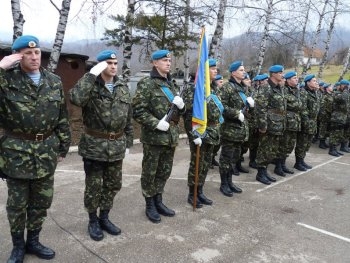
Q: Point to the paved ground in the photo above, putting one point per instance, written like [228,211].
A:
[301,218]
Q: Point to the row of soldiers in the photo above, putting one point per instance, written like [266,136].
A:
[271,116]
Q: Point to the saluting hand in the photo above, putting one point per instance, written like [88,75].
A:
[10,60]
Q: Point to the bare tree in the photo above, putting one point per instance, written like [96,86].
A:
[345,65]
[214,47]
[328,41]
[61,29]
[18,19]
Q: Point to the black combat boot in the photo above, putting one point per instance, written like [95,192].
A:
[107,225]
[234,188]
[204,200]
[278,168]
[285,168]
[94,227]
[344,147]
[224,188]
[235,170]
[299,164]
[240,168]
[191,196]
[307,166]
[18,250]
[332,151]
[261,177]
[151,210]
[33,246]
[161,208]
[269,177]
[322,144]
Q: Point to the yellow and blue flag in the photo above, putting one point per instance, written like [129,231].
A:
[202,89]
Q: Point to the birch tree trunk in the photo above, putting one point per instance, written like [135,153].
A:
[186,55]
[127,43]
[216,41]
[262,49]
[61,29]
[306,66]
[328,41]
[18,19]
[345,65]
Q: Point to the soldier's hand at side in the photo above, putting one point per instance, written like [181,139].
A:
[10,60]
[127,151]
[98,68]
[241,116]
[60,159]
[178,101]
[163,125]
[251,102]
[198,141]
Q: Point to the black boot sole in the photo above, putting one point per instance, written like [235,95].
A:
[31,252]
[226,193]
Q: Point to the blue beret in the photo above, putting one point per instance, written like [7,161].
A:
[344,82]
[163,53]
[261,77]
[290,74]
[336,84]
[235,65]
[276,68]
[309,77]
[321,83]
[326,85]
[218,77]
[212,62]
[25,42]
[106,54]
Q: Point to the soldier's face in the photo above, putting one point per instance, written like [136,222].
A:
[220,82]
[213,71]
[313,84]
[239,73]
[293,81]
[162,65]
[277,77]
[112,68]
[31,59]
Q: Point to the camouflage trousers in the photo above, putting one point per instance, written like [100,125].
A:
[268,149]
[230,154]
[253,141]
[205,158]
[336,136]
[323,129]
[303,144]
[28,201]
[157,164]
[288,143]
[103,180]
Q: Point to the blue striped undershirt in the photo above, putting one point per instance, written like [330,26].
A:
[35,77]
[110,87]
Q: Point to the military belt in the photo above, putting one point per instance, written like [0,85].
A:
[112,136]
[38,137]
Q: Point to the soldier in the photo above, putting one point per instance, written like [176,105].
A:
[207,144]
[260,82]
[159,133]
[294,106]
[325,115]
[311,105]
[339,119]
[108,135]
[271,114]
[36,136]
[234,130]
[219,81]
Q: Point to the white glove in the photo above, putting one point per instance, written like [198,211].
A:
[127,151]
[98,68]
[163,125]
[251,102]
[198,141]
[178,101]
[241,116]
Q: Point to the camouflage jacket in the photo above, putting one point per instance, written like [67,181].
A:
[150,105]
[294,107]
[311,105]
[213,116]
[233,129]
[271,108]
[27,108]
[326,107]
[105,112]
[340,107]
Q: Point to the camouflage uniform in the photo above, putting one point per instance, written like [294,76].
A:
[39,111]
[271,115]
[211,138]
[311,105]
[293,121]
[108,132]
[150,105]
[325,115]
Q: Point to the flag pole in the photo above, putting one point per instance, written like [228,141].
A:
[196,177]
